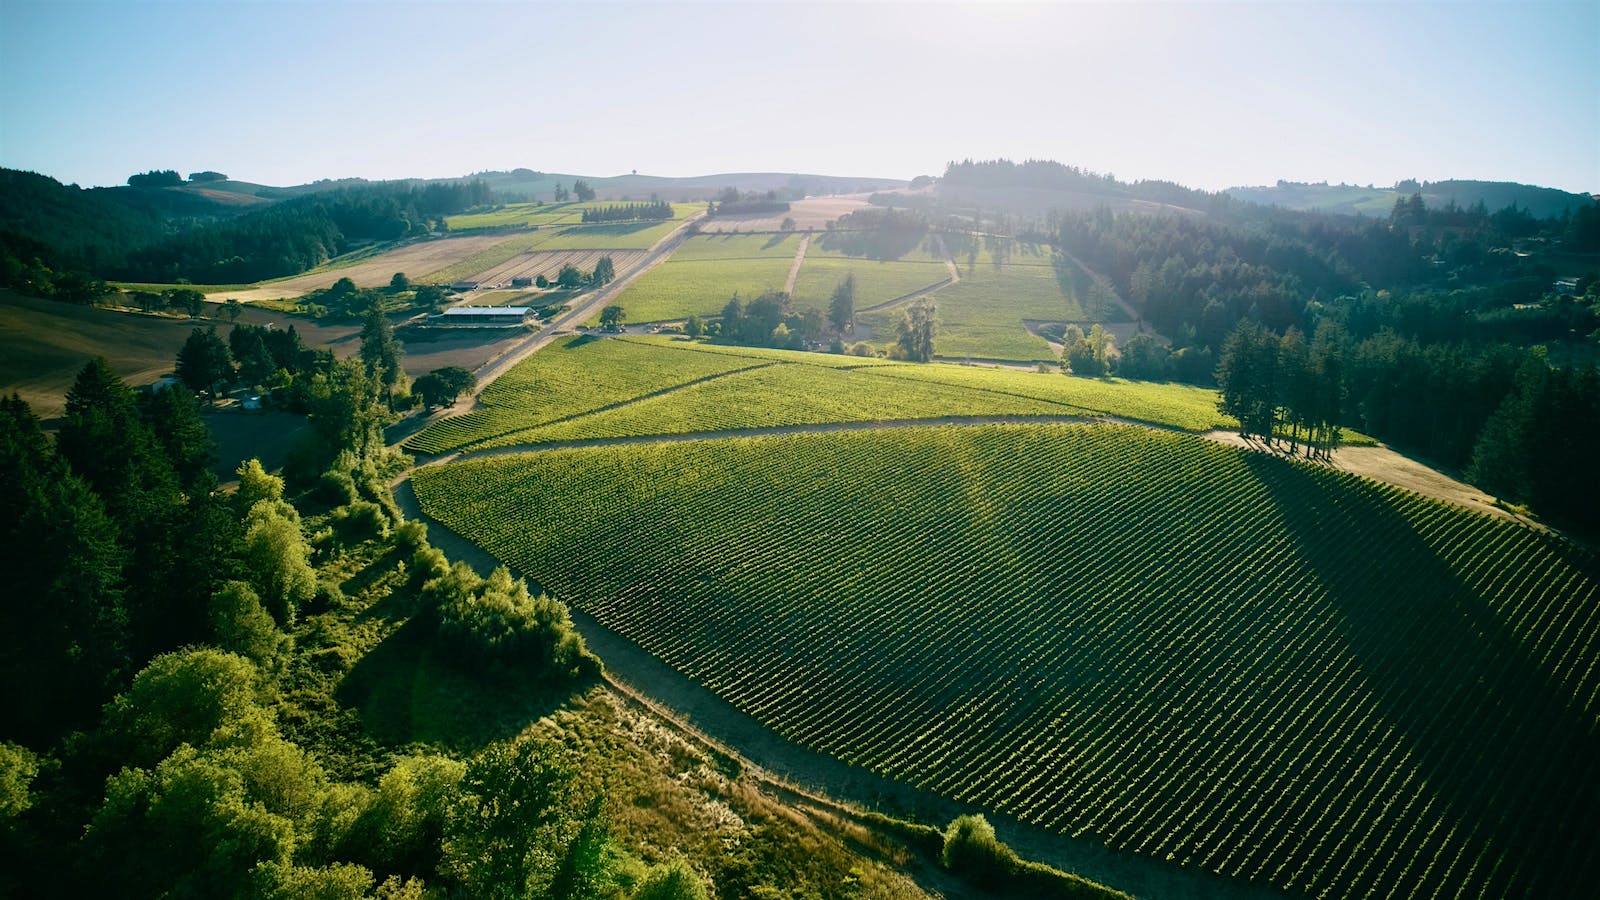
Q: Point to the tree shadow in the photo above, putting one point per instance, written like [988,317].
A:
[405,694]
[776,239]
[1500,743]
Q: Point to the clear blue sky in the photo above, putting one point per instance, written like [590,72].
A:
[1207,94]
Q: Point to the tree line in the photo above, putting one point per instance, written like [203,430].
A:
[659,210]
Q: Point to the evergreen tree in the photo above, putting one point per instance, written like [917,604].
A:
[204,362]
[916,330]
[842,308]
[380,351]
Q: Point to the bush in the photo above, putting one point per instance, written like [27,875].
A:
[361,520]
[972,851]
[493,626]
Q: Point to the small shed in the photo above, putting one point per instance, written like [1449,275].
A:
[464,286]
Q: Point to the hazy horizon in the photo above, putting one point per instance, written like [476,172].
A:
[1210,95]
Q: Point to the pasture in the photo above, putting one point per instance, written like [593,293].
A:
[1268,670]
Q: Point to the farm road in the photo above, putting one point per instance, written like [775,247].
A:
[791,768]
[799,257]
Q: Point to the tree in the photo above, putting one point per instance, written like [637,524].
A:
[1144,359]
[206,177]
[561,193]
[570,277]
[787,224]
[694,327]
[1247,375]
[380,351]
[174,420]
[611,317]
[191,301]
[156,178]
[204,361]
[916,329]
[276,557]
[604,271]
[584,192]
[842,308]
[233,309]
[541,281]
[442,387]
[399,283]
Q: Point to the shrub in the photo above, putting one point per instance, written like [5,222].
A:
[972,851]
[493,626]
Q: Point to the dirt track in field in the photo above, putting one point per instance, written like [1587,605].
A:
[794,269]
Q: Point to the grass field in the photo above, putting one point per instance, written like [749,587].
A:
[699,280]
[981,317]
[876,282]
[1273,671]
[618,387]
[847,245]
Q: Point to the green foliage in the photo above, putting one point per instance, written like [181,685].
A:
[612,317]
[183,698]
[241,625]
[18,768]
[276,558]
[401,830]
[520,828]
[672,881]
[494,627]
[972,851]
[255,485]
[1139,601]
[915,332]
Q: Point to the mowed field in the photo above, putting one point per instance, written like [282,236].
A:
[588,389]
[1269,670]
[812,213]
[704,273]
[418,260]
[534,263]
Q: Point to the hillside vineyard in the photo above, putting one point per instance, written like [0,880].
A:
[1270,670]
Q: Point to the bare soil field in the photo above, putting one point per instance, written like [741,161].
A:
[416,260]
[44,343]
[469,348]
[810,213]
[549,262]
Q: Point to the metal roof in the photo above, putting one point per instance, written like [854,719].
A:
[488,311]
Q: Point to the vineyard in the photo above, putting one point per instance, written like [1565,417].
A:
[876,282]
[618,387]
[534,263]
[1272,671]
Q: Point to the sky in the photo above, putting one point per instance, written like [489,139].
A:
[1206,94]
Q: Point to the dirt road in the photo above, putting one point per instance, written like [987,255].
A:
[794,270]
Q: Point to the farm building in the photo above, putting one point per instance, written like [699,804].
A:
[464,286]
[522,281]
[483,315]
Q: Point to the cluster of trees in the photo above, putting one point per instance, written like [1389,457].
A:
[149,648]
[730,202]
[443,386]
[156,178]
[297,234]
[30,267]
[571,277]
[1043,174]
[580,189]
[629,212]
[1279,387]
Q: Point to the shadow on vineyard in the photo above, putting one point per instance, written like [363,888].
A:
[1495,735]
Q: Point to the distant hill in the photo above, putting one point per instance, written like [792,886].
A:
[1035,187]
[523,184]
[1351,199]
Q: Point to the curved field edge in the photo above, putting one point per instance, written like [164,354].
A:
[1267,670]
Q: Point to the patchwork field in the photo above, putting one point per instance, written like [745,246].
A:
[586,389]
[421,261]
[704,273]
[1268,670]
